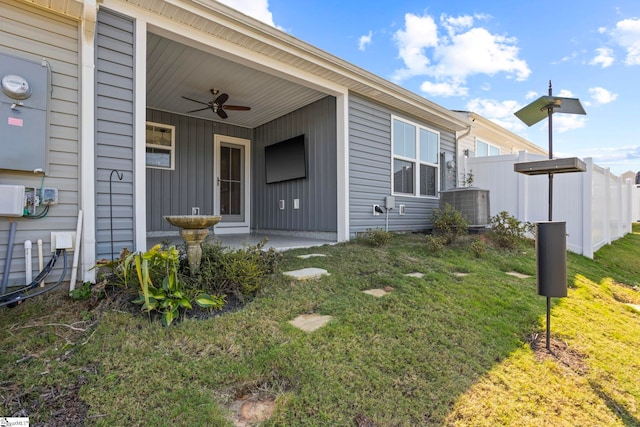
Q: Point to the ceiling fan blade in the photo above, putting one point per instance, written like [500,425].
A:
[236,107]
[221,113]
[199,109]
[221,99]
[195,100]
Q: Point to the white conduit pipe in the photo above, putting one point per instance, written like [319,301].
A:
[28,268]
[40,260]
[76,253]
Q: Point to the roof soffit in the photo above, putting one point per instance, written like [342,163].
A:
[234,27]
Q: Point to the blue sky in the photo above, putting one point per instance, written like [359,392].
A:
[493,58]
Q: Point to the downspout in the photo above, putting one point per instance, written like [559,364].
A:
[458,138]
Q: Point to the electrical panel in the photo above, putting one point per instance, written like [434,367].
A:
[24,113]
[11,200]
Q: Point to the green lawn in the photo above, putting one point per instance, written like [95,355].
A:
[437,350]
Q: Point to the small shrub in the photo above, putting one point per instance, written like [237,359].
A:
[478,247]
[241,272]
[507,230]
[435,243]
[449,223]
[376,237]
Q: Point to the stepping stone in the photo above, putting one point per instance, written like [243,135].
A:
[307,256]
[418,275]
[310,322]
[457,274]
[518,275]
[249,411]
[376,292]
[307,273]
[635,306]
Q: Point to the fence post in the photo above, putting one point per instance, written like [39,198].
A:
[523,191]
[607,206]
[587,209]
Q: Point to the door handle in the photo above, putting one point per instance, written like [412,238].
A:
[218,181]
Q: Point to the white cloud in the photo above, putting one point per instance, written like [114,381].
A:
[601,95]
[566,122]
[258,9]
[500,112]
[443,89]
[364,41]
[454,51]
[420,33]
[566,93]
[604,58]
[626,157]
[627,35]
[531,95]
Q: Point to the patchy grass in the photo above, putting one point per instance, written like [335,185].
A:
[437,350]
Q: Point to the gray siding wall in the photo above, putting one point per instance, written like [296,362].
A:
[175,192]
[35,34]
[114,133]
[370,170]
[317,193]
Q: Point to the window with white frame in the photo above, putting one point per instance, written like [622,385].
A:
[484,149]
[160,146]
[415,159]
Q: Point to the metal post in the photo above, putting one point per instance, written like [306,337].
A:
[550,117]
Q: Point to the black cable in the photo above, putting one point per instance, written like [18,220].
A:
[6,298]
[41,215]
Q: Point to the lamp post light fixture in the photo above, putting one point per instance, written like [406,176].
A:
[550,268]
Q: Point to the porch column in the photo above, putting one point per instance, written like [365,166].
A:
[342,161]
[87,143]
[139,139]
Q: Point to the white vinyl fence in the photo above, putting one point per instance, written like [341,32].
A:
[597,206]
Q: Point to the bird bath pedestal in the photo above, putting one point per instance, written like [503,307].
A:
[193,229]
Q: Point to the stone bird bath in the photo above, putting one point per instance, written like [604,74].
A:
[193,229]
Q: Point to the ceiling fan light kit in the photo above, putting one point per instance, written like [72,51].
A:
[217,104]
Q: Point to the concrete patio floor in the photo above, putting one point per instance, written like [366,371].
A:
[236,241]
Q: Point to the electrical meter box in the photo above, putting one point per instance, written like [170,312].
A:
[24,113]
[11,200]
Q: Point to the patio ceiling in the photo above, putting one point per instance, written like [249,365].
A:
[175,70]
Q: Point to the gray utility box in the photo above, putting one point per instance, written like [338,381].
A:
[551,258]
[471,202]
[24,113]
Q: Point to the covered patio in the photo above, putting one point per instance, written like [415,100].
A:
[280,242]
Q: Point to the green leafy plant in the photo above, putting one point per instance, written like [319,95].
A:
[81,293]
[435,243]
[241,272]
[506,230]
[449,223]
[468,179]
[478,247]
[157,274]
[376,237]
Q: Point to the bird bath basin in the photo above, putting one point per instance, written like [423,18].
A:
[193,229]
[192,222]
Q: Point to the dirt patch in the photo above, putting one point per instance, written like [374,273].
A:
[559,351]
[64,406]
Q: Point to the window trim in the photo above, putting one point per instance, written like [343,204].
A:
[171,149]
[489,145]
[415,161]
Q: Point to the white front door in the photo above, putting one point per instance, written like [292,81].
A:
[232,178]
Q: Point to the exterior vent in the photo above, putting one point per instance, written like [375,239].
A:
[471,202]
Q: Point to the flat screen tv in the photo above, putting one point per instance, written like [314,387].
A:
[286,160]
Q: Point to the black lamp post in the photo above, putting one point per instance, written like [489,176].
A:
[551,274]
